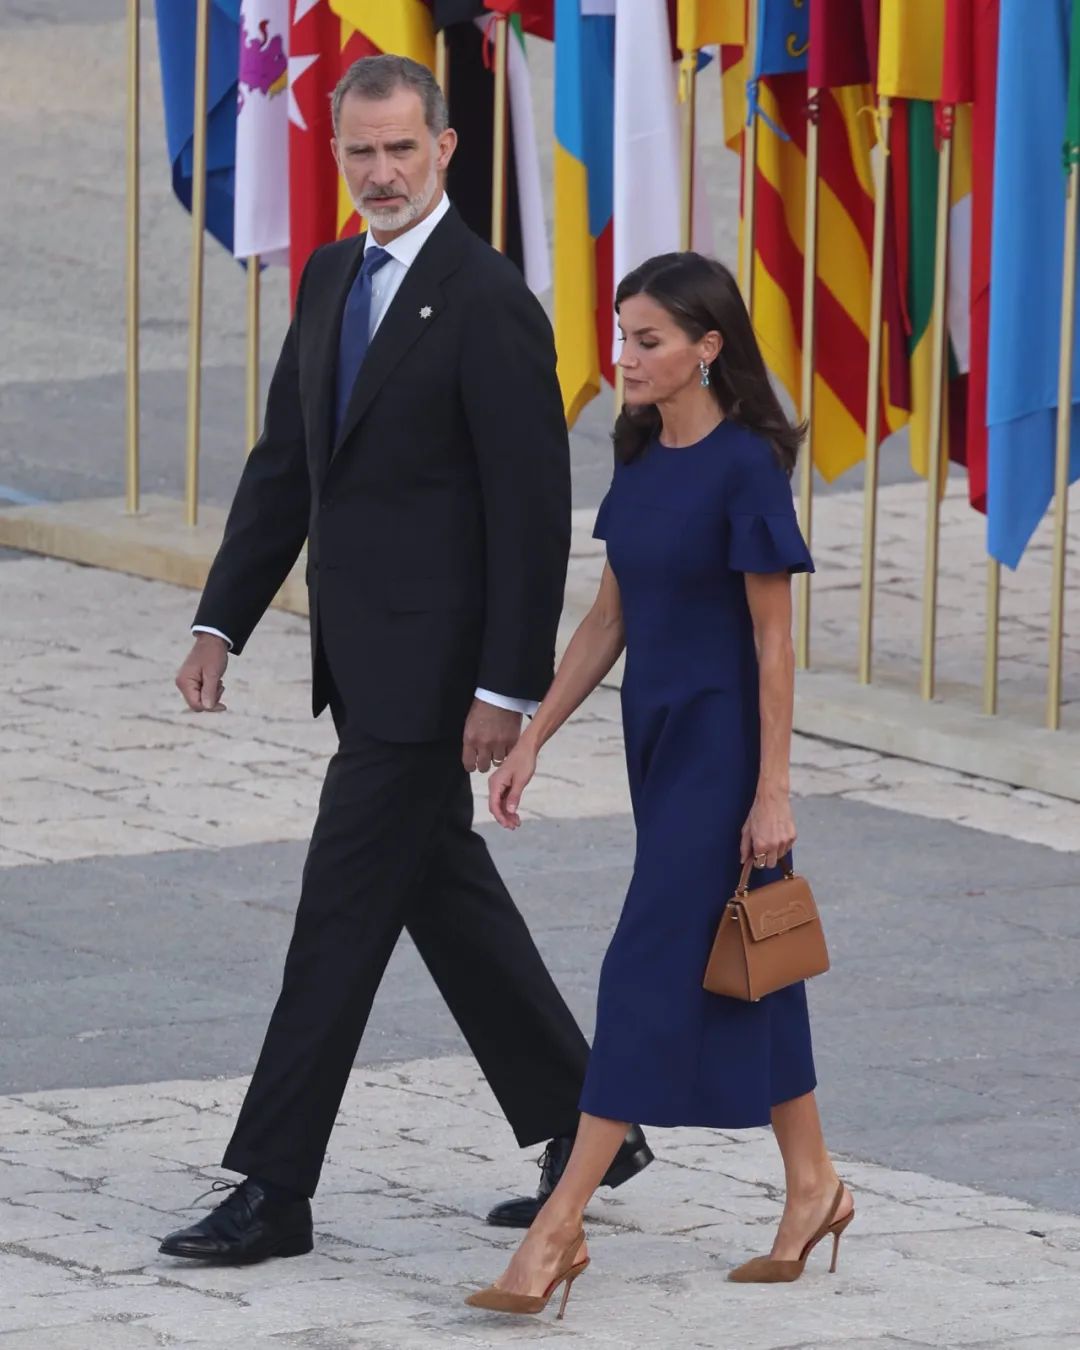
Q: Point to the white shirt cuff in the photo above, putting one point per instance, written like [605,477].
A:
[202,628]
[526,706]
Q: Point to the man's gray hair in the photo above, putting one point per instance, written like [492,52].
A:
[380,76]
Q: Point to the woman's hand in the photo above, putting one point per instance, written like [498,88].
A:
[509,781]
[769,828]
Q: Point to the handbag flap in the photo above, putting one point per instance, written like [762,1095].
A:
[778,907]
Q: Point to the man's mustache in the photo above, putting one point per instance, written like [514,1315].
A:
[380,194]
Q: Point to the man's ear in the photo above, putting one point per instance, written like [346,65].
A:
[447,144]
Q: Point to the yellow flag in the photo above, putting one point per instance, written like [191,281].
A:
[704,23]
[401,27]
[912,45]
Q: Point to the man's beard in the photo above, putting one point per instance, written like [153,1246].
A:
[401,216]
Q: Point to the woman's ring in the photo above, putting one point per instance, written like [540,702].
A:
[495,761]
[759,859]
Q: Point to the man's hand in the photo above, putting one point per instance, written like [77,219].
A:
[490,734]
[199,678]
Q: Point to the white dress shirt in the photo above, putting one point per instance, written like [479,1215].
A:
[384,286]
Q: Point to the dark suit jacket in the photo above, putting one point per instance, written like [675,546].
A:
[438,525]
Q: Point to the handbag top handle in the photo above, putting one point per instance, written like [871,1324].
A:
[744,877]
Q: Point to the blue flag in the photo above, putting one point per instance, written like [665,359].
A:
[176,48]
[1026,274]
[783,37]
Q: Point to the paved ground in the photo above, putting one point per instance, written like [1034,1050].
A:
[149,863]
[149,868]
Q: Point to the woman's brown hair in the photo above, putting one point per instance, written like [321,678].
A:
[701,296]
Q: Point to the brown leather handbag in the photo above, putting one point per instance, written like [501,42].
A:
[768,938]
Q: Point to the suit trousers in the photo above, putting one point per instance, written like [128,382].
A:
[393,847]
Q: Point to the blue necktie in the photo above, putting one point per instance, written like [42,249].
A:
[355,329]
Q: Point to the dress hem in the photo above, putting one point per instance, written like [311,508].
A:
[660,1121]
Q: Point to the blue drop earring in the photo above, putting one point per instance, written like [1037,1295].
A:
[704,374]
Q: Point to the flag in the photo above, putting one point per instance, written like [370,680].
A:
[783,38]
[319,50]
[369,27]
[954,119]
[958,56]
[536,16]
[969,75]
[584,131]
[403,27]
[911,44]
[176,50]
[261,215]
[647,184]
[957,79]
[533,16]
[467,24]
[844,52]
[910,59]
[710,23]
[843,47]
[1036,73]
[1072,113]
[845,232]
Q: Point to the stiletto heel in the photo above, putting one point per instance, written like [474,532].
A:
[565,1296]
[494,1299]
[766,1270]
[837,1231]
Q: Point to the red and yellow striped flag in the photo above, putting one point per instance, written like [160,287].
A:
[845,233]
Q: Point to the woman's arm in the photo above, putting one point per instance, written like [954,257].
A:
[770,828]
[593,650]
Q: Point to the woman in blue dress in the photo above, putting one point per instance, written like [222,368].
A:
[701,540]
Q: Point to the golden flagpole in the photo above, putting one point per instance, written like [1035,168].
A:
[806,404]
[442,66]
[688,97]
[195,302]
[939,366]
[1062,456]
[131,380]
[883,121]
[251,400]
[749,165]
[499,147]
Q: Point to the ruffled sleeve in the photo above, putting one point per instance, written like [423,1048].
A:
[764,531]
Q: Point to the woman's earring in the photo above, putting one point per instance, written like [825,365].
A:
[704,374]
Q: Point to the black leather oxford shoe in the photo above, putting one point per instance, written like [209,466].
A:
[247,1227]
[633,1156]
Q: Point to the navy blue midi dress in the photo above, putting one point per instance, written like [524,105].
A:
[682,527]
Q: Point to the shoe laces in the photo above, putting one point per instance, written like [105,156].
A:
[238,1189]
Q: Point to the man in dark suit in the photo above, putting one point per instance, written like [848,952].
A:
[415,437]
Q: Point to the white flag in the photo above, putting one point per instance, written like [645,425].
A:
[261,222]
[648,142]
[534,241]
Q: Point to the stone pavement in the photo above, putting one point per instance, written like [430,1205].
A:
[108,762]
[150,859]
[92,1178]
